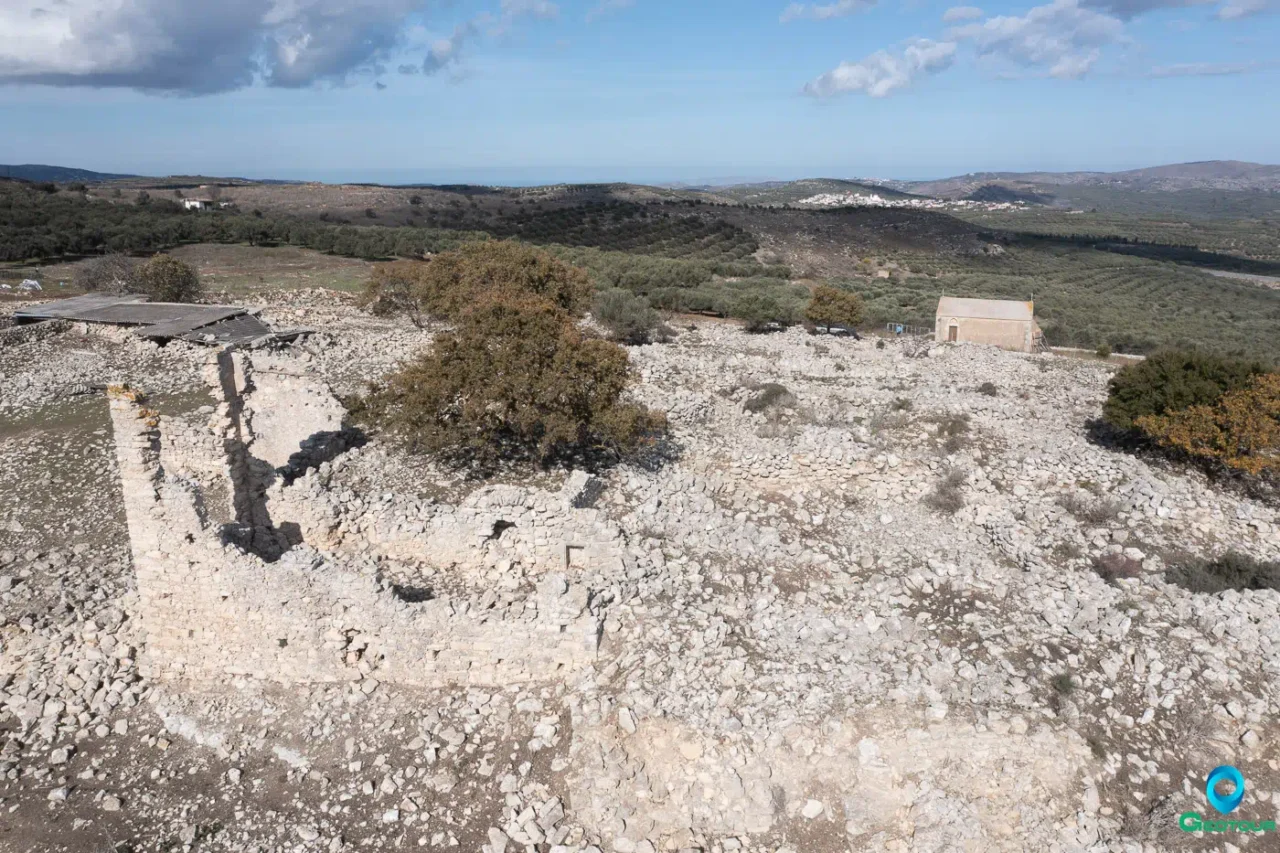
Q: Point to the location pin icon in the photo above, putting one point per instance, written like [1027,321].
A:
[1224,803]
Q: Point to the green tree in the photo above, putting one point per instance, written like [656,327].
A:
[1170,381]
[164,278]
[628,318]
[830,306]
[758,311]
[449,283]
[518,381]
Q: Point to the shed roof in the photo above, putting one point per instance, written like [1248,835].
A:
[157,320]
[986,309]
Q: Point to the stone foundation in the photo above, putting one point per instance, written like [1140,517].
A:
[214,604]
[12,334]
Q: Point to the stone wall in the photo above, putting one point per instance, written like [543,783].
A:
[210,608]
[538,530]
[12,334]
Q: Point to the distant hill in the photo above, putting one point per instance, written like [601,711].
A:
[59,174]
[790,192]
[1006,195]
[1210,175]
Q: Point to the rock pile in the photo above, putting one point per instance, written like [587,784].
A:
[800,645]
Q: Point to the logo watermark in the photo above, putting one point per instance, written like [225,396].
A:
[1225,803]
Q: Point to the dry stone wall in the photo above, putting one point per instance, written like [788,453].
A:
[210,608]
[497,526]
[12,334]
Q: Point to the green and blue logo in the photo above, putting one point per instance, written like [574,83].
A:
[1225,803]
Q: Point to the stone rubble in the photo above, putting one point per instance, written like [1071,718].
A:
[792,649]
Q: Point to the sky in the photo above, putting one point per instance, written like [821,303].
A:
[534,91]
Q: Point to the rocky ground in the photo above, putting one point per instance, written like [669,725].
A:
[874,620]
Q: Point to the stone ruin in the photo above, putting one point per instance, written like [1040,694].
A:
[247,566]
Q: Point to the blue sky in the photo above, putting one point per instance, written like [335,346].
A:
[519,91]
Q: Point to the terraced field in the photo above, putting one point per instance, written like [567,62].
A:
[1087,298]
[1258,239]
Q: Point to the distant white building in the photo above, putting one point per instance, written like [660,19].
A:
[197,204]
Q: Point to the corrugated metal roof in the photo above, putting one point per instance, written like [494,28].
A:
[985,309]
[213,324]
[242,329]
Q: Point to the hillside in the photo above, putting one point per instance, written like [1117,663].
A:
[1211,174]
[790,192]
[60,174]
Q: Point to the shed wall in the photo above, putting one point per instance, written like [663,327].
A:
[1007,334]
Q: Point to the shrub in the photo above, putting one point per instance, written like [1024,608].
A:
[516,381]
[1094,512]
[948,496]
[1230,571]
[393,288]
[114,273]
[164,278]
[953,429]
[770,395]
[831,306]
[759,311]
[628,318]
[1242,430]
[1103,351]
[1170,381]
[451,282]
[1114,567]
[989,389]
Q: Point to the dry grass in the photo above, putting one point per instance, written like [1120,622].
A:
[247,269]
[1230,571]
[1096,512]
[948,496]
[239,269]
[1116,567]
[953,431]
[770,395]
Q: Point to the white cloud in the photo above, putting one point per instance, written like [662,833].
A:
[961,13]
[1204,69]
[607,7]
[882,72]
[447,52]
[204,46]
[196,47]
[1130,9]
[824,12]
[1235,9]
[1061,36]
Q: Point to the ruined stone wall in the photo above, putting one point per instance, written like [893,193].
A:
[210,609]
[12,334]
[541,531]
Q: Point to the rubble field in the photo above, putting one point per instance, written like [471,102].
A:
[873,595]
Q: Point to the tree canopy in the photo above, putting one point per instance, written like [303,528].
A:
[516,381]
